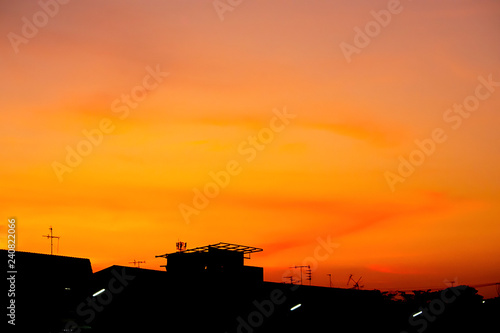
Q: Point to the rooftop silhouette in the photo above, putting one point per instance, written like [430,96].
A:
[209,288]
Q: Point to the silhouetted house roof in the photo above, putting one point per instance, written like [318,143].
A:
[47,287]
[50,272]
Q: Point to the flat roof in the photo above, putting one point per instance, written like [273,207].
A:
[220,246]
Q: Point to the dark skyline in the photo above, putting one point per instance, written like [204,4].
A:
[213,288]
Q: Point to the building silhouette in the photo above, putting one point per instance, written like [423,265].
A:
[216,263]
[210,289]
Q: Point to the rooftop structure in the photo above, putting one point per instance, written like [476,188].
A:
[221,246]
[221,261]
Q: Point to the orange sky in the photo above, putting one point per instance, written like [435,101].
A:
[321,173]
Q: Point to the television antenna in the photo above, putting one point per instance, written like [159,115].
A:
[137,262]
[52,237]
[289,277]
[308,272]
[355,283]
[181,246]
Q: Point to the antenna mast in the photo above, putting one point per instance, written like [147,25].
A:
[138,262]
[308,272]
[330,276]
[51,237]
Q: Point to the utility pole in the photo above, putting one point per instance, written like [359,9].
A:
[330,276]
[51,237]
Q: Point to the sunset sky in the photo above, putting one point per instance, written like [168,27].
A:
[319,140]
